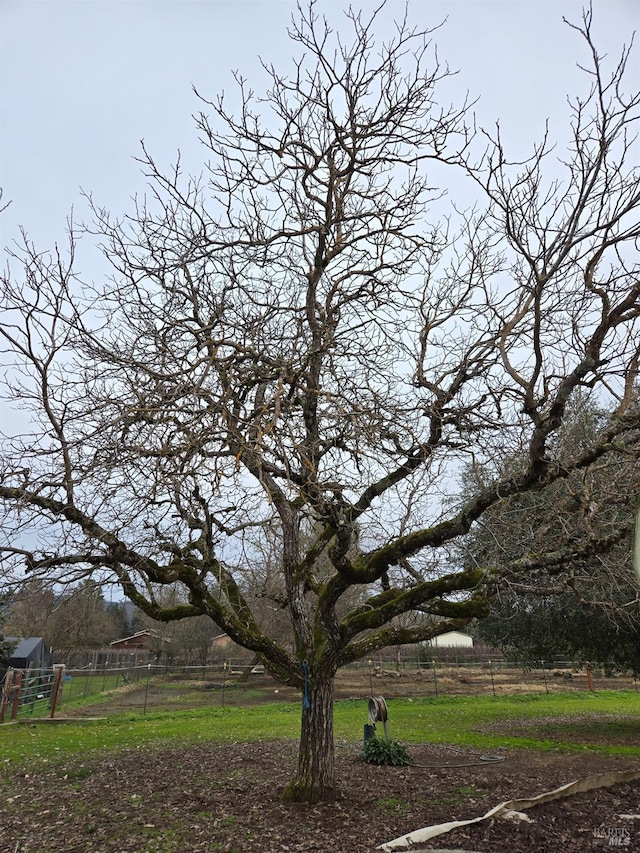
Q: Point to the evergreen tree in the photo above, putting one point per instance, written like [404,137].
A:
[584,606]
[6,646]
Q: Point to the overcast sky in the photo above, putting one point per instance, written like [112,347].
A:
[84,81]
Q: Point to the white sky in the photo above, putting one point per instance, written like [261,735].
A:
[83,81]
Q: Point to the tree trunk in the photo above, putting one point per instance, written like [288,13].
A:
[315,776]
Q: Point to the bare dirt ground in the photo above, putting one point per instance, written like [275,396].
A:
[227,798]
[216,797]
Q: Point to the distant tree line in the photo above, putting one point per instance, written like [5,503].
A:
[6,646]
[80,618]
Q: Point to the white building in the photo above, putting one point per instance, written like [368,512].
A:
[451,639]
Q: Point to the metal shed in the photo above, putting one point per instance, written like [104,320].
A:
[30,653]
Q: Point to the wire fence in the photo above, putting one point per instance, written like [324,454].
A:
[155,686]
[29,693]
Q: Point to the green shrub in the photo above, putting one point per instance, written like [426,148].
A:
[379,750]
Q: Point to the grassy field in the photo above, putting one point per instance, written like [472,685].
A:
[611,721]
[211,778]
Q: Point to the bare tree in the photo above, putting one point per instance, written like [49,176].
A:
[73,619]
[294,344]
[187,641]
[81,618]
[30,610]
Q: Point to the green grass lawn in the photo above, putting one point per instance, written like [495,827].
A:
[90,685]
[465,721]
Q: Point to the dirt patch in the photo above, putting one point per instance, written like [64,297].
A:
[227,798]
[590,728]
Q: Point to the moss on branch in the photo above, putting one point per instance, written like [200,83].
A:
[381,609]
[395,636]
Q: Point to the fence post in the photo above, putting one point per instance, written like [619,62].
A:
[146,689]
[16,694]
[544,677]
[6,692]
[56,687]
[587,666]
